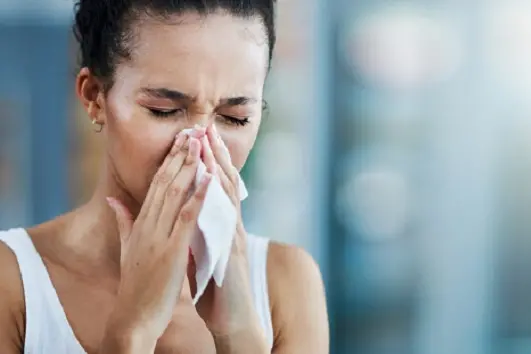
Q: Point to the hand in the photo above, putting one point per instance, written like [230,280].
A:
[229,311]
[154,248]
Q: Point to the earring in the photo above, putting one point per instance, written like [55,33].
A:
[100,126]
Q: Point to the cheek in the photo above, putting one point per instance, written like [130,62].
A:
[136,143]
[239,147]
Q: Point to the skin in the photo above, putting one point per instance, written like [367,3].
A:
[203,70]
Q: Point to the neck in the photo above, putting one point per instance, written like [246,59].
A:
[93,232]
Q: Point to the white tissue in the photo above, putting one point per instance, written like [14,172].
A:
[217,225]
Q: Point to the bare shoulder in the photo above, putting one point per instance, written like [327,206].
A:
[291,273]
[297,299]
[291,264]
[12,306]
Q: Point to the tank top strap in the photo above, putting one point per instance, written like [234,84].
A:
[257,251]
[47,328]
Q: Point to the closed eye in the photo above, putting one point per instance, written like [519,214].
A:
[163,113]
[239,121]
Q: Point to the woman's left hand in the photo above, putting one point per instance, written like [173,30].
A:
[229,311]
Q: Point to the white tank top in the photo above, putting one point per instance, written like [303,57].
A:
[47,328]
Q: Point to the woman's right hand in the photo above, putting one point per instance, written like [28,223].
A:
[155,247]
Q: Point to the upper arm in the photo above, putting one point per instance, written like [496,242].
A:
[11,304]
[298,303]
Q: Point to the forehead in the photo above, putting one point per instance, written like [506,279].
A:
[194,54]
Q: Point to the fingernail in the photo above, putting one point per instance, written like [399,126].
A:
[199,128]
[111,202]
[206,178]
[198,131]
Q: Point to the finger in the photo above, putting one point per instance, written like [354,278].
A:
[228,187]
[198,131]
[221,153]
[208,156]
[239,244]
[124,218]
[178,191]
[177,144]
[187,220]
[164,177]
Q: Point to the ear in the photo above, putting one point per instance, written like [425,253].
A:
[90,92]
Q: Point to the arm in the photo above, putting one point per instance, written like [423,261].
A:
[12,306]
[298,304]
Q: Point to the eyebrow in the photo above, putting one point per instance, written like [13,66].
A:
[164,93]
[238,101]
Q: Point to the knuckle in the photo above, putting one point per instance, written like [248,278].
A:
[200,194]
[230,187]
[186,216]
[162,177]
[183,150]
[174,190]
[233,176]
[185,146]
[190,161]
[174,150]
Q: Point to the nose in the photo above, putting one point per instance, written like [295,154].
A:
[202,119]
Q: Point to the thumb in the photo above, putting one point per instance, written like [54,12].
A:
[123,218]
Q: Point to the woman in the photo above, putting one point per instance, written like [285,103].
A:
[114,275]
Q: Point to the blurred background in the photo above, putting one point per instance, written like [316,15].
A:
[397,150]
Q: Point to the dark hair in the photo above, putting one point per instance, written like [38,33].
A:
[103,27]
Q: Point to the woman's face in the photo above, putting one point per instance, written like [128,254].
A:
[189,71]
